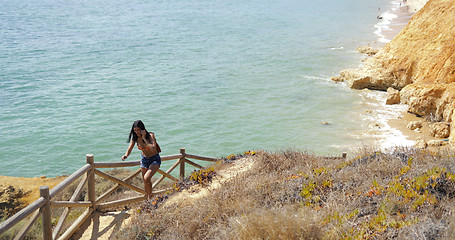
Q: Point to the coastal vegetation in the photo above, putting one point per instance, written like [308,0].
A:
[402,193]
[399,193]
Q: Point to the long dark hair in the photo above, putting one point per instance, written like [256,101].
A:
[139,124]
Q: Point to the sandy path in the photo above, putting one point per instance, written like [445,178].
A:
[103,225]
[222,176]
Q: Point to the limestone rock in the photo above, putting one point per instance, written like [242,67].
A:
[452,131]
[359,82]
[354,78]
[424,100]
[393,96]
[372,77]
[440,130]
[420,143]
[337,79]
[370,51]
[414,125]
[436,143]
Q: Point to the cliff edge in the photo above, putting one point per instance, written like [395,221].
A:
[419,62]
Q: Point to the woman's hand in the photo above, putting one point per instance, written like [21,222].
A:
[144,134]
[124,157]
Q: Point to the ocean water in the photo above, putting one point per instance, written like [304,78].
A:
[216,77]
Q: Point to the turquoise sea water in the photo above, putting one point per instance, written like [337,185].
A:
[216,77]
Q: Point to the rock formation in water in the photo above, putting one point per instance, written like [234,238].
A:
[419,62]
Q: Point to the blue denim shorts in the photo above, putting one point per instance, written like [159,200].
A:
[147,161]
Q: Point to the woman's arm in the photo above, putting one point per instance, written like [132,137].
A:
[128,151]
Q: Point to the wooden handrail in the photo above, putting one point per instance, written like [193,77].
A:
[19,216]
[110,191]
[80,220]
[132,163]
[91,180]
[57,189]
[120,202]
[171,157]
[193,163]
[109,177]
[162,191]
[45,202]
[167,175]
[67,210]
[46,216]
[70,204]
[168,171]
[201,158]
[117,164]
[28,225]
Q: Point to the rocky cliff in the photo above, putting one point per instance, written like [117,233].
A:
[419,62]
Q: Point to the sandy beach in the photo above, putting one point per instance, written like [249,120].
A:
[400,16]
[415,5]
[401,123]
[394,20]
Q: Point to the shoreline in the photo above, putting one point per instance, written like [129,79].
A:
[401,123]
[393,131]
[393,20]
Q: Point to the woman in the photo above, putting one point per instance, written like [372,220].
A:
[151,160]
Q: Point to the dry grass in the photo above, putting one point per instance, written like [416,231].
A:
[401,194]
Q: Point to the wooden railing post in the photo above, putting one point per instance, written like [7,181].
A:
[91,180]
[46,215]
[182,164]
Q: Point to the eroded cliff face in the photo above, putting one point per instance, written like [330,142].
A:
[419,61]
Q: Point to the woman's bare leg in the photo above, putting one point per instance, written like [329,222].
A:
[146,186]
[147,175]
